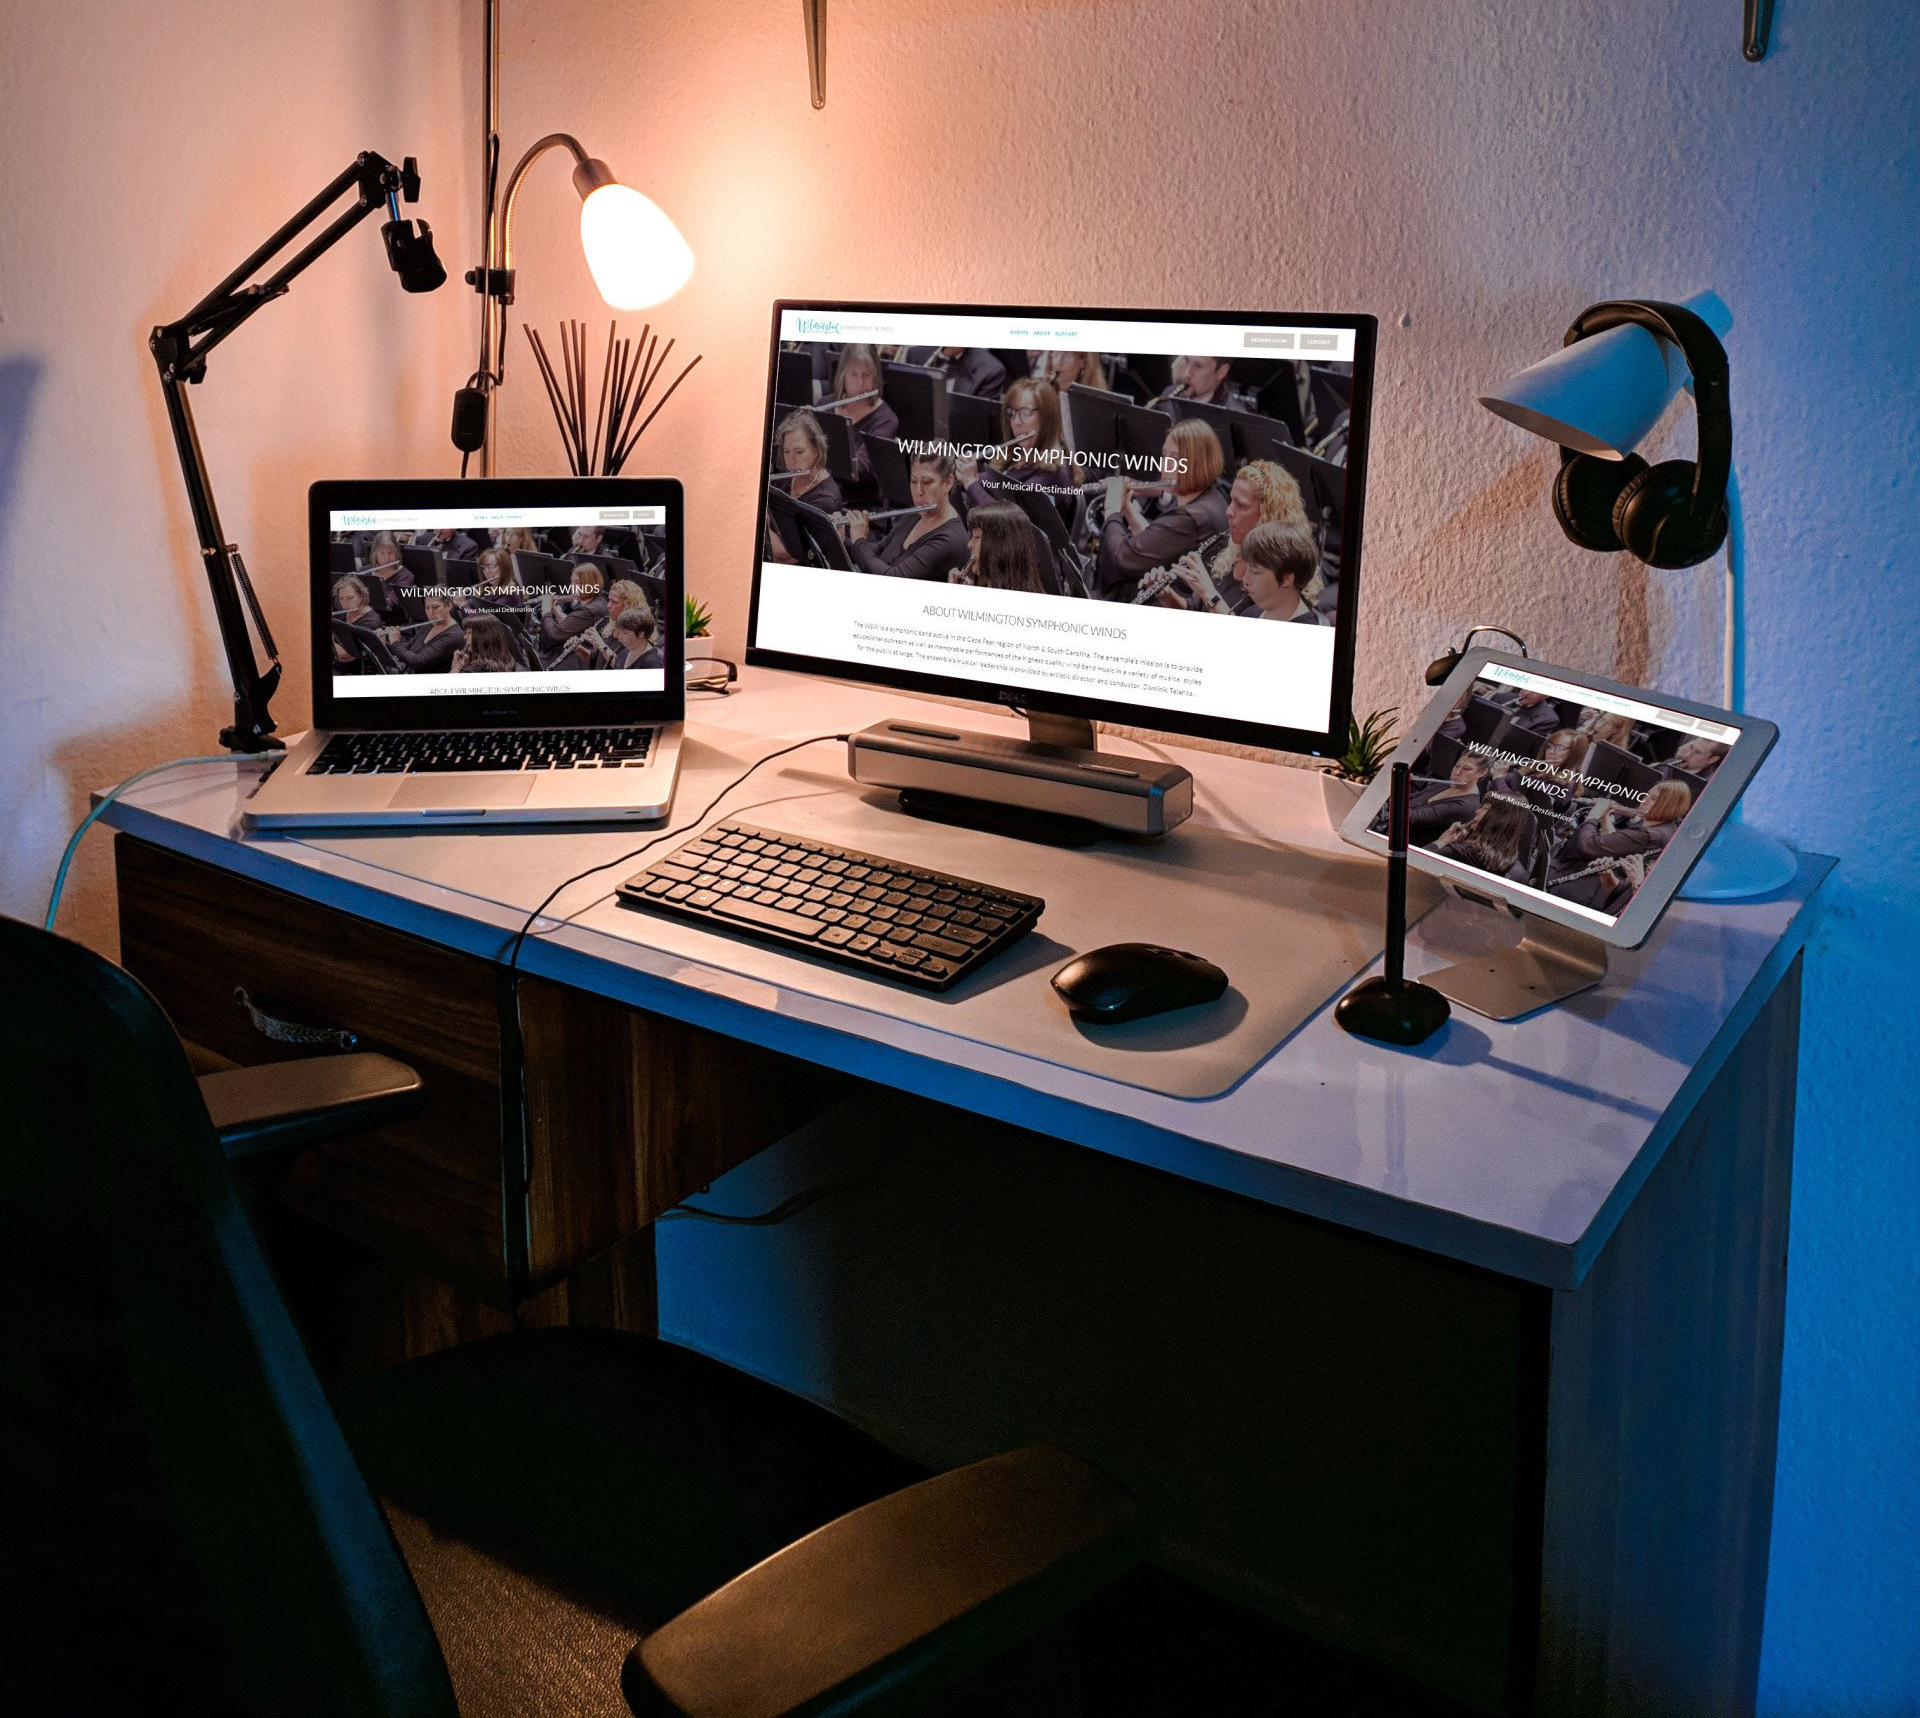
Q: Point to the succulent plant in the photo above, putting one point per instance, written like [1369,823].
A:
[1369,744]
[699,618]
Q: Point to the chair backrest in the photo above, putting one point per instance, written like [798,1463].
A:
[183,1517]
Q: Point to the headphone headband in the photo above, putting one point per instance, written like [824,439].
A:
[1706,360]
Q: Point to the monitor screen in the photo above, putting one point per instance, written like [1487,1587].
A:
[1147,517]
[487,600]
[1564,792]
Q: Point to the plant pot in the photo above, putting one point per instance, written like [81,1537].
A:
[1341,796]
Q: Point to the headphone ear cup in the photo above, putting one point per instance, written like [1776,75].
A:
[1653,517]
[1584,494]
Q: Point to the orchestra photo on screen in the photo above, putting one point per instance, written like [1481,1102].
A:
[1544,790]
[1193,482]
[552,599]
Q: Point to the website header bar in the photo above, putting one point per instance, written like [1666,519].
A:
[1065,333]
[1608,704]
[467,518]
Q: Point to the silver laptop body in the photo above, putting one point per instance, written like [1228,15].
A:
[489,651]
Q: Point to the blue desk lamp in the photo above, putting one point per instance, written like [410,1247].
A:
[1598,398]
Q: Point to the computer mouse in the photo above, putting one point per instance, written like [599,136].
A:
[1129,981]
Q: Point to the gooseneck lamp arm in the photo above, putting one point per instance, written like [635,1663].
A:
[180,352]
[494,281]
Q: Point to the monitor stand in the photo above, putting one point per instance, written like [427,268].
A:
[1547,965]
[1054,786]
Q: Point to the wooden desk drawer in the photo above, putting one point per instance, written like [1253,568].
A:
[429,1190]
[627,1112]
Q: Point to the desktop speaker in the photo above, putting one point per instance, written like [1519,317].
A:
[933,767]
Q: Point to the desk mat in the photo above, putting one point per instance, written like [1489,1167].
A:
[1291,926]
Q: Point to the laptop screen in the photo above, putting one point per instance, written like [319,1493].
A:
[489,600]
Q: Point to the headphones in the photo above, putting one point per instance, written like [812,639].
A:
[1673,514]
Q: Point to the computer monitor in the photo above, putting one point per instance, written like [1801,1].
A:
[1174,660]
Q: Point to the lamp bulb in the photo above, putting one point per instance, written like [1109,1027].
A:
[635,252]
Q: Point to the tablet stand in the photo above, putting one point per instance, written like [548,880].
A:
[1547,965]
[1390,1007]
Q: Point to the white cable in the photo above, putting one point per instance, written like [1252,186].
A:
[113,793]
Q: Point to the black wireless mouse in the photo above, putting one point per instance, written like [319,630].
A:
[1129,981]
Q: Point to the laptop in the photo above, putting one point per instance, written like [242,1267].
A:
[488,651]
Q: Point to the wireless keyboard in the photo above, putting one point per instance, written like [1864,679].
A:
[894,920]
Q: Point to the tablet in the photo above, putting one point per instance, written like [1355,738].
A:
[1570,797]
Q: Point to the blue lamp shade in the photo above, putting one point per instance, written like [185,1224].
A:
[1604,394]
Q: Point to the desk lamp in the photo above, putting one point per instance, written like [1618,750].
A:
[1597,399]
[634,252]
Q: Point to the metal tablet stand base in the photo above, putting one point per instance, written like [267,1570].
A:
[1547,965]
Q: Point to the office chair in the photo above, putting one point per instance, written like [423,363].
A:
[191,1525]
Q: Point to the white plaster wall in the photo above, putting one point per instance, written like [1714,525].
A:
[148,149]
[1473,173]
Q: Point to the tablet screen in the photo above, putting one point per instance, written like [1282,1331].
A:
[1561,791]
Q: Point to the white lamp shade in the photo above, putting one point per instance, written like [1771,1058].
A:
[1603,394]
[635,252]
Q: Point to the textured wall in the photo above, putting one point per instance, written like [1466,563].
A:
[148,150]
[1471,173]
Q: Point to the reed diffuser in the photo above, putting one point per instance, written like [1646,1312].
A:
[599,443]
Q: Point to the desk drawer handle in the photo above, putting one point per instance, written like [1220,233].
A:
[290,1031]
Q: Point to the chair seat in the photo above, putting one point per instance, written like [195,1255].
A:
[626,1472]
[515,1647]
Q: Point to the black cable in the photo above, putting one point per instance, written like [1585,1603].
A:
[512,1041]
[700,817]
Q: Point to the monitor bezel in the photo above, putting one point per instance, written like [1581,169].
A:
[1311,742]
[1637,923]
[523,710]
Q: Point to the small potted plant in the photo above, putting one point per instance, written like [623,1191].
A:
[1369,744]
[699,618]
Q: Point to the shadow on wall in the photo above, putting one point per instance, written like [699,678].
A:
[19,381]
[1510,590]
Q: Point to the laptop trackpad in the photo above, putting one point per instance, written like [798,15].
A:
[452,793]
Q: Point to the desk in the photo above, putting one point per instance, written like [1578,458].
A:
[1571,1515]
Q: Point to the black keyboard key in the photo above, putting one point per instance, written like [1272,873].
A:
[773,918]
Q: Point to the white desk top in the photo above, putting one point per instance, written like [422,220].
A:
[1511,1147]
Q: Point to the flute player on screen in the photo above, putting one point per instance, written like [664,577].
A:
[1131,545]
[928,543]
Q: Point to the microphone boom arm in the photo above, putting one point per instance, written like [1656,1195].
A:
[180,351]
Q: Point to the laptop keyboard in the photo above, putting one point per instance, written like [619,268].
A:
[431,754]
[891,920]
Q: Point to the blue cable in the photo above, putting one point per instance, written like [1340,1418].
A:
[113,793]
